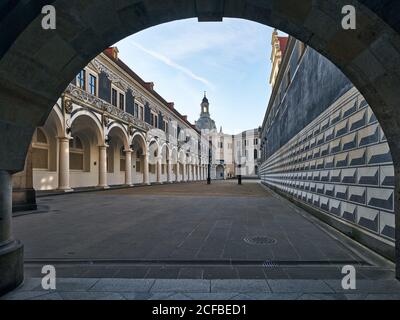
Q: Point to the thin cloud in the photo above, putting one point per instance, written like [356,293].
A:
[173,64]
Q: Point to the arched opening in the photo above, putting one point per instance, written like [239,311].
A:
[84,150]
[165,163]
[118,154]
[220,172]
[154,162]
[374,74]
[138,146]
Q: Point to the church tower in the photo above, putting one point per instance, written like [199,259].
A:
[205,122]
[205,106]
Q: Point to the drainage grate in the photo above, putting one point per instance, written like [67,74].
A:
[260,240]
[270,264]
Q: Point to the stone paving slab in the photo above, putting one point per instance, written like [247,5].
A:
[123,285]
[239,286]
[181,285]
[197,289]
[296,285]
[371,286]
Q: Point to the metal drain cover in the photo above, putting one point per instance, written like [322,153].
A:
[260,240]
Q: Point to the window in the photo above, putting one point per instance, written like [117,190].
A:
[114,97]
[40,150]
[122,161]
[141,113]
[166,126]
[221,145]
[76,153]
[138,168]
[255,154]
[136,110]
[255,141]
[82,79]
[154,120]
[122,101]
[92,84]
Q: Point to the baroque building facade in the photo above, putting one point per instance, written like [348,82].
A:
[111,128]
[231,155]
[323,148]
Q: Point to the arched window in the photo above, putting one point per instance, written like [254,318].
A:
[122,159]
[76,154]
[40,150]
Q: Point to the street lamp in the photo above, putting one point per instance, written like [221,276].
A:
[240,174]
[209,162]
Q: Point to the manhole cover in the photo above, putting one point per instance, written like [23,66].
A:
[260,240]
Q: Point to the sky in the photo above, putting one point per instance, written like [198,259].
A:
[228,60]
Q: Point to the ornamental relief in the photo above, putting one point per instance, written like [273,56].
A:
[102,106]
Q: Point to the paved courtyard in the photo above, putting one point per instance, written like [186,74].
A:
[190,231]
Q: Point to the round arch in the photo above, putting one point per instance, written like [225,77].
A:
[138,140]
[118,130]
[94,124]
[369,55]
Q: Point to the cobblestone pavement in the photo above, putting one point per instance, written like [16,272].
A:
[196,235]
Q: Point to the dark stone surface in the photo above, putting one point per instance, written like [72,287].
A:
[24,199]
[316,85]
[11,266]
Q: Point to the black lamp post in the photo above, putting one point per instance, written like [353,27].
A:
[240,174]
[209,162]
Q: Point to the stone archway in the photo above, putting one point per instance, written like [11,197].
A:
[36,65]
[220,172]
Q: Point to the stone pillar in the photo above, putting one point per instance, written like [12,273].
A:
[11,251]
[103,167]
[158,169]
[177,172]
[63,164]
[146,169]
[184,172]
[23,195]
[169,171]
[128,168]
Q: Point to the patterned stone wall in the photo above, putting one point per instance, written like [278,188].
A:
[340,164]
